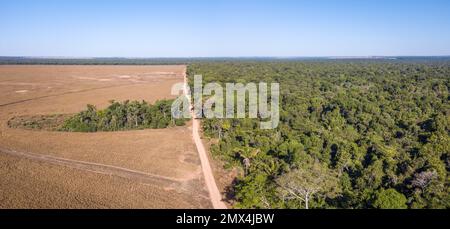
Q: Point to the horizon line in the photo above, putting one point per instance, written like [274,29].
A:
[232,57]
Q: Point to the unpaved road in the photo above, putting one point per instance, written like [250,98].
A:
[214,193]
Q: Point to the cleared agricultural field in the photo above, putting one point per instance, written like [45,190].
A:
[128,169]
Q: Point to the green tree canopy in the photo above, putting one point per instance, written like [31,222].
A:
[389,199]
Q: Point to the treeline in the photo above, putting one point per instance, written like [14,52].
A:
[351,135]
[123,116]
[6,60]
[91,61]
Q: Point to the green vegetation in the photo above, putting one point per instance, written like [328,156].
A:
[389,199]
[352,134]
[123,116]
[39,122]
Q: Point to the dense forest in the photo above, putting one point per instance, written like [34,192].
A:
[352,134]
[123,116]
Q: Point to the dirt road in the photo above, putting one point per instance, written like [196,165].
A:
[216,197]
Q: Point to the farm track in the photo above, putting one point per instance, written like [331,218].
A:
[214,193]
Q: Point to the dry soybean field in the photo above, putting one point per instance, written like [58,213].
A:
[152,168]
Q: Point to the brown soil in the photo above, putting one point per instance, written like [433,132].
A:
[91,170]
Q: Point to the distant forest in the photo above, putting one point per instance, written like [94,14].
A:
[353,134]
[4,60]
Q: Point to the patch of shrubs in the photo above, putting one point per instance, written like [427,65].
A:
[38,122]
[123,116]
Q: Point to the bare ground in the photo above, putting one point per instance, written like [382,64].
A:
[48,169]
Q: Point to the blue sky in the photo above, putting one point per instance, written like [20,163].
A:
[173,28]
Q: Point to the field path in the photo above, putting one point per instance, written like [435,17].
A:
[95,167]
[216,197]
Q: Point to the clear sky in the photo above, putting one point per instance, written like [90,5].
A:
[171,28]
